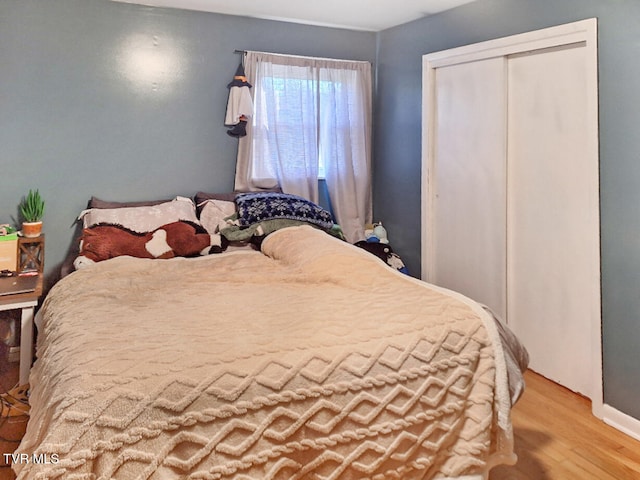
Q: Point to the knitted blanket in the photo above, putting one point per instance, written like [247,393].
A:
[309,360]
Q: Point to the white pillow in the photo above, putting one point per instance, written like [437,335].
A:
[213,214]
[142,219]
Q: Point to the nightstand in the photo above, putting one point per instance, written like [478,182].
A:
[27,303]
[15,295]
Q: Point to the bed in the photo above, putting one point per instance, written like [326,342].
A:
[307,358]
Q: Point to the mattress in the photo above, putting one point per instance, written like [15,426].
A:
[309,359]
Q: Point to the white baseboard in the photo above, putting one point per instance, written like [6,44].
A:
[621,421]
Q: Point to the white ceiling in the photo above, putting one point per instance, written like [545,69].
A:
[373,15]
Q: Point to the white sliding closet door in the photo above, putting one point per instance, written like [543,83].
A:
[550,213]
[511,196]
[470,180]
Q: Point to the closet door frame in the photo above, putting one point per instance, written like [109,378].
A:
[581,32]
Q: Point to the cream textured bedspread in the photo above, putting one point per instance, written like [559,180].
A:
[311,360]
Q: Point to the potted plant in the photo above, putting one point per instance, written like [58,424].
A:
[32,210]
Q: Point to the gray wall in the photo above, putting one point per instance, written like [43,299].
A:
[74,123]
[397,148]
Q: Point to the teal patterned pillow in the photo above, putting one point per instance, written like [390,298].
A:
[260,206]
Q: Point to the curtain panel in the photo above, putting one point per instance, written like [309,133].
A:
[312,118]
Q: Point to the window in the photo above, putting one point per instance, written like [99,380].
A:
[311,120]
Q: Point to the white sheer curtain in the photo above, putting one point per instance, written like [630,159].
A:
[310,114]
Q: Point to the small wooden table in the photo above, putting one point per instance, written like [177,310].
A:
[27,303]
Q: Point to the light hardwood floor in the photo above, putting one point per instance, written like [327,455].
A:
[556,438]
[11,429]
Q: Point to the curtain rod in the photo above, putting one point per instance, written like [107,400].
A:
[244,52]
